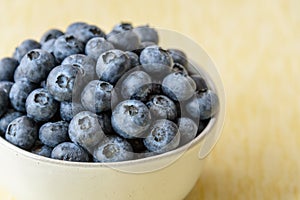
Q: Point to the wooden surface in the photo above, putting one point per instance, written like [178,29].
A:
[256,47]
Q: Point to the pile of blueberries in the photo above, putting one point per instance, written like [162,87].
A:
[86,96]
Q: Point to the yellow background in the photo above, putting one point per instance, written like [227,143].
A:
[256,46]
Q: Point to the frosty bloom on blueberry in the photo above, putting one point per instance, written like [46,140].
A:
[82,95]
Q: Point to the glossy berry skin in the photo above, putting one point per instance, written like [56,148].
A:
[72,28]
[22,132]
[84,62]
[4,102]
[36,65]
[19,93]
[178,86]
[124,40]
[96,46]
[204,105]
[8,117]
[7,69]
[147,44]
[24,48]
[155,60]
[69,109]
[61,81]
[69,151]
[67,45]
[113,149]
[163,136]
[134,59]
[111,65]
[146,34]
[201,84]
[130,118]
[178,56]
[144,92]
[161,107]
[40,105]
[188,130]
[50,35]
[86,32]
[6,86]
[121,27]
[85,130]
[133,82]
[49,47]
[54,133]
[96,96]
[42,150]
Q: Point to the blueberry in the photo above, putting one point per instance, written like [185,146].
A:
[147,44]
[204,105]
[86,63]
[125,40]
[8,117]
[146,34]
[86,32]
[163,136]
[67,45]
[96,46]
[75,26]
[96,96]
[24,48]
[134,59]
[50,35]
[7,68]
[49,47]
[121,27]
[161,107]
[69,151]
[36,65]
[201,84]
[130,118]
[40,105]
[178,56]
[188,130]
[43,151]
[144,92]
[6,86]
[85,130]
[178,86]
[4,102]
[69,109]
[19,93]
[18,74]
[54,133]
[179,68]
[155,60]
[111,65]
[133,82]
[113,149]
[61,81]
[22,132]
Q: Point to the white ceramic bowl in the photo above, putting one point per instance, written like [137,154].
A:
[169,176]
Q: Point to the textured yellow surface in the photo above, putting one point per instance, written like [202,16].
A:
[256,47]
